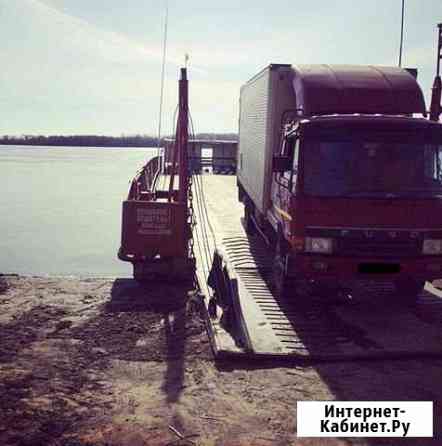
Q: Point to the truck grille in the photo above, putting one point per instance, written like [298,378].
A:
[373,248]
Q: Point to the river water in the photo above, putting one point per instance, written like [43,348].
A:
[61,209]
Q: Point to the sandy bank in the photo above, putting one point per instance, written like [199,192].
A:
[99,361]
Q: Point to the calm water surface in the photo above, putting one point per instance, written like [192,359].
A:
[61,209]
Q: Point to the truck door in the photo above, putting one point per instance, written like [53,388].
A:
[284,184]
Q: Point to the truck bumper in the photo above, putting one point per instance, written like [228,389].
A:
[317,267]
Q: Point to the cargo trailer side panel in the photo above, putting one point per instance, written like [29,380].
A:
[253,135]
[264,101]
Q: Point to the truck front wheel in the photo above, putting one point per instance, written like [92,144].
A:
[408,290]
[282,284]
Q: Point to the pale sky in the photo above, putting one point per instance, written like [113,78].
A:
[94,66]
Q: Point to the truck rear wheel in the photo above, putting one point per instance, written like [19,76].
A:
[408,290]
[249,224]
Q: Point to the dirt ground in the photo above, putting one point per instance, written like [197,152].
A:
[97,362]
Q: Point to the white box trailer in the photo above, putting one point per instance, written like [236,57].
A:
[264,101]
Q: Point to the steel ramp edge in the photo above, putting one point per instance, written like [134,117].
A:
[252,323]
[247,260]
[222,344]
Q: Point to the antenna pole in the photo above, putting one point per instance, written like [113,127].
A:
[166,20]
[402,34]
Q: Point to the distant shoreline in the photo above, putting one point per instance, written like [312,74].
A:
[82,146]
[140,141]
[82,141]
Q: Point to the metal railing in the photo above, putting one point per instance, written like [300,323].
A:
[145,180]
[220,163]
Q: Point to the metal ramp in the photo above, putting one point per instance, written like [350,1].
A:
[371,325]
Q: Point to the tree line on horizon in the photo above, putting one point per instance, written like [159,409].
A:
[100,141]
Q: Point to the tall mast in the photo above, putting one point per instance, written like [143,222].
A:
[183,124]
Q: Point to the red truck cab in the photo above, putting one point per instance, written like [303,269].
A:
[359,196]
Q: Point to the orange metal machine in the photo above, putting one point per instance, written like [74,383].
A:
[156,222]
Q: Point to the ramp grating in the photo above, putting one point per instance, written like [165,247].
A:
[313,329]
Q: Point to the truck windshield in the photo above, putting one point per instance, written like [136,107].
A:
[364,168]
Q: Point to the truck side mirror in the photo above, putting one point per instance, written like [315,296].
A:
[281,163]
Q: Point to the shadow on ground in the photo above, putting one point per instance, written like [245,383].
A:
[164,322]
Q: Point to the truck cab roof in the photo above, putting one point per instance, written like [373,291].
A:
[371,122]
[347,89]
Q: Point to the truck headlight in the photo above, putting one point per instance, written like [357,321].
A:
[432,247]
[319,245]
